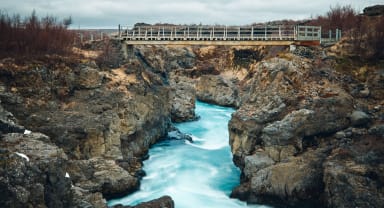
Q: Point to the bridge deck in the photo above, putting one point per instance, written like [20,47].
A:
[221,35]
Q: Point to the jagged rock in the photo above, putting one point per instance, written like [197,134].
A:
[8,123]
[217,90]
[89,78]
[101,175]
[297,181]
[32,172]
[87,199]
[256,162]
[279,115]
[182,98]
[359,118]
[162,202]
[176,134]
[353,175]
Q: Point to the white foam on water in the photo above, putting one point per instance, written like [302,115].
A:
[195,174]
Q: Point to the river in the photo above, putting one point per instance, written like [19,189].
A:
[198,174]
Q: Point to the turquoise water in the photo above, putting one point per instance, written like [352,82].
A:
[198,174]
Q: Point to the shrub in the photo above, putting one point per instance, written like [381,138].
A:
[366,33]
[34,36]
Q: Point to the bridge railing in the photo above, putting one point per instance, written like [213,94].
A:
[308,33]
[221,33]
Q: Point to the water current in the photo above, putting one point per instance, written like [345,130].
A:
[196,175]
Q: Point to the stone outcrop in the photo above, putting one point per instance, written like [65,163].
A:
[33,172]
[217,90]
[103,122]
[162,202]
[104,176]
[183,95]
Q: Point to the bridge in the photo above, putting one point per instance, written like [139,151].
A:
[220,35]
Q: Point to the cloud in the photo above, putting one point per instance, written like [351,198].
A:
[110,13]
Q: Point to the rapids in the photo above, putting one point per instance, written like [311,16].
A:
[198,174]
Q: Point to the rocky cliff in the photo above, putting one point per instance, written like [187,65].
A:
[298,135]
[102,122]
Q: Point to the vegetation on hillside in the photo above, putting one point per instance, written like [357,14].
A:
[31,35]
[365,33]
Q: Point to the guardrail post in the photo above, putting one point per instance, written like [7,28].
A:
[265,32]
[238,35]
[338,34]
[252,33]
[197,33]
[330,35]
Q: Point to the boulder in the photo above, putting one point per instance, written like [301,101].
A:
[177,135]
[101,175]
[297,181]
[256,162]
[89,78]
[8,123]
[162,202]
[359,118]
[182,99]
[217,90]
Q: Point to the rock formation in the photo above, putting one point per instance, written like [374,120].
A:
[297,136]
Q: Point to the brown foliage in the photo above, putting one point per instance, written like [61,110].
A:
[338,17]
[34,36]
[365,33]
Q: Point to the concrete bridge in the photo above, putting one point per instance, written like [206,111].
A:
[220,35]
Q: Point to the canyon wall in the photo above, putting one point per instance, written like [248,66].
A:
[303,133]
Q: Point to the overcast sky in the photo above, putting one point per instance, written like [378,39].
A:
[110,13]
